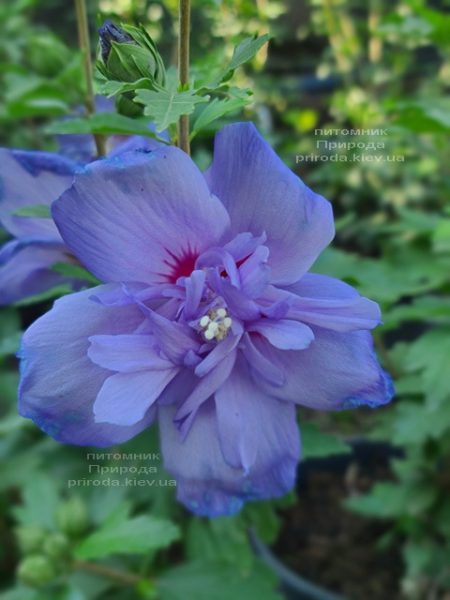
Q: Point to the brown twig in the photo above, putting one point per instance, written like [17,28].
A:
[85,47]
[122,577]
[183,68]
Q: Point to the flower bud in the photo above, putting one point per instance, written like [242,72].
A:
[72,517]
[36,571]
[128,53]
[126,106]
[56,546]
[30,538]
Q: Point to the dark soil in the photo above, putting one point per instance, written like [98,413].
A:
[333,547]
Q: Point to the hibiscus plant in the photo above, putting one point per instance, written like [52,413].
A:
[188,326]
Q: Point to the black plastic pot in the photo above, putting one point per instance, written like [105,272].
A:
[292,585]
[365,454]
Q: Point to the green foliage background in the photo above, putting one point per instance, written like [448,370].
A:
[333,66]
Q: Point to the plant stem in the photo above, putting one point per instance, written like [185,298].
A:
[122,577]
[85,47]
[183,68]
[375,45]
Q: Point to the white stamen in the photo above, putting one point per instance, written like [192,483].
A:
[209,335]
[216,324]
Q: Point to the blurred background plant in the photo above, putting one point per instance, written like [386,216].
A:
[354,96]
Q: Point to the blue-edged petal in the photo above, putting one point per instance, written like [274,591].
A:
[332,304]
[125,398]
[194,292]
[176,340]
[255,273]
[26,268]
[28,179]
[337,371]
[204,388]
[140,216]
[284,334]
[257,433]
[59,382]
[126,353]
[219,353]
[263,196]
[121,144]
[259,364]
[206,484]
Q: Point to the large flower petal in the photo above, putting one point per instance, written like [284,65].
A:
[31,178]
[255,273]
[218,354]
[258,433]
[204,389]
[332,304]
[126,397]
[206,484]
[60,383]
[126,353]
[337,371]
[284,333]
[176,340]
[120,144]
[140,216]
[26,268]
[262,195]
[259,364]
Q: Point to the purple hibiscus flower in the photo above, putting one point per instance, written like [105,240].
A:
[27,179]
[208,321]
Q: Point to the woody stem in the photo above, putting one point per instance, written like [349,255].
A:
[183,68]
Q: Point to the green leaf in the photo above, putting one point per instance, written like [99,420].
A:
[223,539]
[19,593]
[113,88]
[90,586]
[414,423]
[317,444]
[431,309]
[41,211]
[20,467]
[409,272]
[40,498]
[246,50]
[389,500]
[75,272]
[419,556]
[441,236]
[385,500]
[423,116]
[102,123]
[56,292]
[264,518]
[205,580]
[10,332]
[11,423]
[9,380]
[167,105]
[430,354]
[216,109]
[132,536]
[108,505]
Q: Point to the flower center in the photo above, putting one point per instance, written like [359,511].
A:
[216,324]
